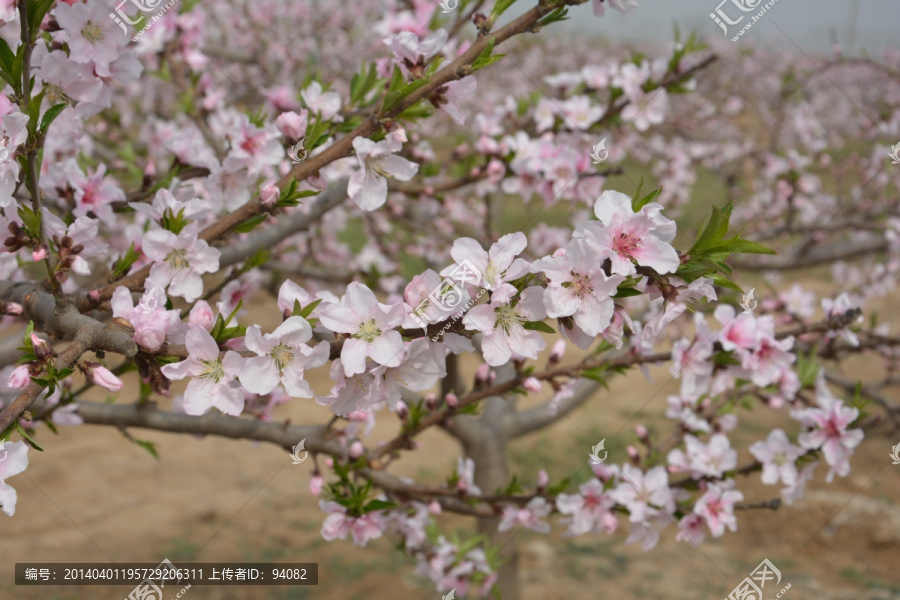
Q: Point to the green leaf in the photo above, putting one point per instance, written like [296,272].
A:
[715,230]
[259,258]
[50,115]
[250,223]
[487,57]
[28,438]
[374,505]
[362,83]
[626,292]
[637,205]
[148,446]
[539,326]
[123,264]
[500,8]
[309,308]
[560,14]
[807,370]
[739,246]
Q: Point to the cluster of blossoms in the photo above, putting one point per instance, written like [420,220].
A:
[149,220]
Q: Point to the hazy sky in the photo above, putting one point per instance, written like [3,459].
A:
[809,23]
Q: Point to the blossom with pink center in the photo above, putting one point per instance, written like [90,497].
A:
[704,460]
[488,269]
[771,358]
[630,237]
[778,457]
[282,357]
[254,148]
[637,490]
[716,506]
[338,524]
[179,261]
[581,113]
[502,324]
[13,460]
[690,361]
[829,431]
[839,306]
[690,529]
[368,187]
[675,307]
[370,325]
[590,508]
[578,287]
[212,381]
[94,193]
[527,517]
[740,332]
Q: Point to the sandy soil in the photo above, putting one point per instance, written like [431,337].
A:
[95,497]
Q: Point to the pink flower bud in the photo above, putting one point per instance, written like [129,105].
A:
[402,410]
[19,377]
[434,507]
[356,449]
[80,266]
[292,125]
[329,462]
[269,195]
[642,433]
[41,349]
[150,169]
[94,295]
[12,308]
[39,253]
[532,384]
[483,372]
[201,315]
[633,454]
[558,351]
[451,400]
[542,479]
[315,484]
[100,375]
[430,401]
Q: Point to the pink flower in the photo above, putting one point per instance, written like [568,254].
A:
[94,193]
[690,528]
[269,195]
[292,125]
[164,202]
[578,287]
[91,35]
[316,483]
[338,524]
[591,509]
[368,186]
[829,431]
[13,460]
[637,490]
[648,109]
[716,506]
[452,93]
[19,378]
[150,319]
[739,332]
[629,237]
[100,375]
[489,269]
[705,460]
[502,323]
[778,457]
[212,381]
[409,50]
[527,517]
[328,103]
[178,261]
[253,148]
[370,324]
[283,356]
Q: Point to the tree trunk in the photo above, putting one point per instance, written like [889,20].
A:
[488,449]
